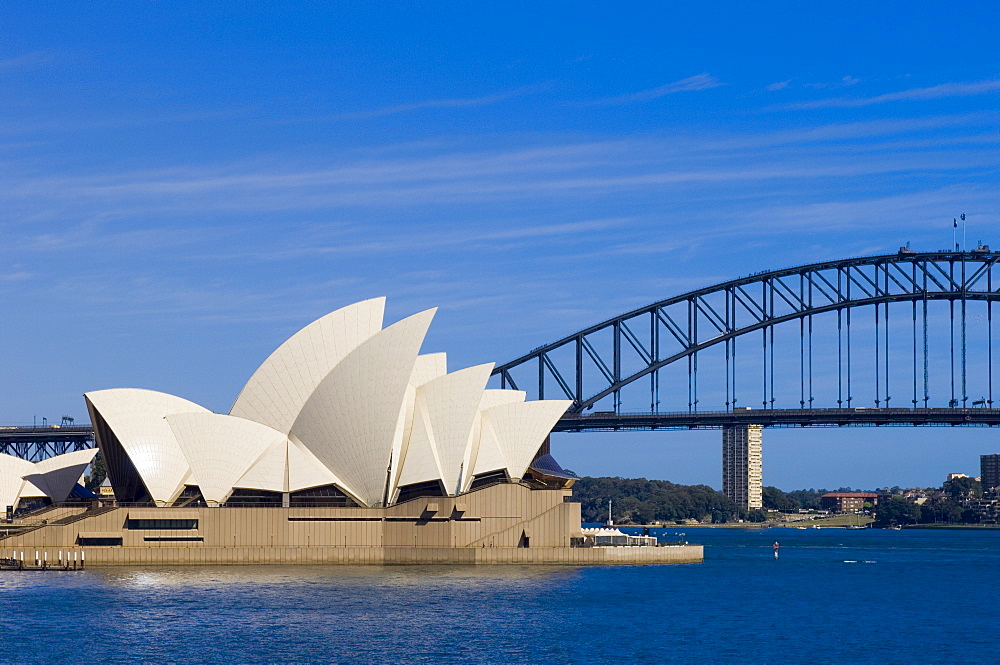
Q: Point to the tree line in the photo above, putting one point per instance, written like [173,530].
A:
[642,501]
[950,505]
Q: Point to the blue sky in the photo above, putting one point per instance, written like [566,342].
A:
[182,186]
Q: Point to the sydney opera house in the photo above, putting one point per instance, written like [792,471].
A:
[346,445]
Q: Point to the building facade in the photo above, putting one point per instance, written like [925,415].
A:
[847,502]
[742,466]
[989,472]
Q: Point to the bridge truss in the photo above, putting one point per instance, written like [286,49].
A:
[38,443]
[808,338]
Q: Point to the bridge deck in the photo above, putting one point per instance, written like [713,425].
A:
[605,421]
[50,433]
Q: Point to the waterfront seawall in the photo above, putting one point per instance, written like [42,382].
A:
[191,556]
[503,523]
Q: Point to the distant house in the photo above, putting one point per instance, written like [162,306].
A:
[847,502]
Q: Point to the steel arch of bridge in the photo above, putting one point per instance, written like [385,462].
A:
[677,329]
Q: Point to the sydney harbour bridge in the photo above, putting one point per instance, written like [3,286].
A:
[902,339]
[899,339]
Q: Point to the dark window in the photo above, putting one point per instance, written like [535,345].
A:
[173,539]
[417,490]
[98,542]
[334,519]
[487,479]
[328,496]
[162,524]
[254,498]
[191,496]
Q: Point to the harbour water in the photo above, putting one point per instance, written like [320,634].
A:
[833,596]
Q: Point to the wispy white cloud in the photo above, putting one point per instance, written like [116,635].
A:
[933,92]
[703,81]
[920,212]
[448,103]
[27,61]
[847,134]
[18,276]
[845,82]
[48,126]
[358,240]
[421,178]
[861,222]
[778,85]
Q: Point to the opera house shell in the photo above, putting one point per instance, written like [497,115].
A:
[346,445]
[49,481]
[345,411]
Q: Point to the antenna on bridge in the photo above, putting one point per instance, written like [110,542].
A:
[963,232]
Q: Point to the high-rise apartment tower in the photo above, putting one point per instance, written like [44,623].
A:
[741,465]
[989,471]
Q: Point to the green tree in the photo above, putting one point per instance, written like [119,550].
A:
[98,472]
[638,500]
[897,510]
[775,499]
[970,517]
[963,489]
[808,499]
[941,509]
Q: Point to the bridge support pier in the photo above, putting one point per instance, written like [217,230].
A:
[741,465]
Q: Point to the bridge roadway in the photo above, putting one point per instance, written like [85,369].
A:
[838,417]
[38,443]
[47,434]
[82,436]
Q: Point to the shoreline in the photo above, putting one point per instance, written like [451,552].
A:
[792,525]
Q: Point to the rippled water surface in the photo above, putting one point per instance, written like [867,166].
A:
[834,596]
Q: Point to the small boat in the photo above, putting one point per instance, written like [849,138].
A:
[858,524]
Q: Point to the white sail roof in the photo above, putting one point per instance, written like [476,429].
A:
[420,462]
[521,428]
[220,449]
[305,470]
[349,422]
[137,417]
[56,476]
[485,454]
[426,368]
[278,390]
[343,402]
[12,473]
[269,472]
[448,405]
